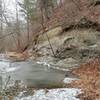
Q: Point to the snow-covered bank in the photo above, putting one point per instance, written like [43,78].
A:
[52,94]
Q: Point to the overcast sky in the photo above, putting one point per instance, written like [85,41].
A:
[10,4]
[10,8]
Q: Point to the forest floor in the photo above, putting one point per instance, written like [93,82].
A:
[89,81]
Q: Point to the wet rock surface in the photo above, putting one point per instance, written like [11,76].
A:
[72,50]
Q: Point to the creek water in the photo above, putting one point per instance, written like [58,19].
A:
[32,74]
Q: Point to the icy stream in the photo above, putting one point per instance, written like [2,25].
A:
[37,75]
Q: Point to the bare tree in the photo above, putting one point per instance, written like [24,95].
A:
[1,18]
[46,7]
[17,27]
[1,24]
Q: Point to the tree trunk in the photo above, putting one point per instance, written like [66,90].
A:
[17,29]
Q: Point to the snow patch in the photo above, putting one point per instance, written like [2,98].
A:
[52,94]
[43,63]
[11,69]
[5,66]
[69,80]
